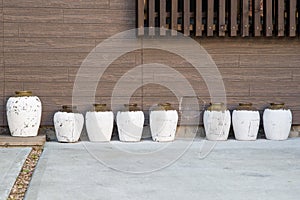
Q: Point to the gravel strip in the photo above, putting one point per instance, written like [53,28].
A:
[22,182]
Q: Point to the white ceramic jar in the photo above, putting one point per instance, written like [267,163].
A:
[163,123]
[68,124]
[24,113]
[217,122]
[130,123]
[277,122]
[245,122]
[99,123]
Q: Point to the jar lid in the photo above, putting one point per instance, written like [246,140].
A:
[277,106]
[217,107]
[23,93]
[69,108]
[100,107]
[246,106]
[131,107]
[166,106]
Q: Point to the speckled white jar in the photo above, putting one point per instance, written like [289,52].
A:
[277,122]
[163,123]
[130,123]
[99,123]
[68,125]
[217,121]
[245,122]
[24,114]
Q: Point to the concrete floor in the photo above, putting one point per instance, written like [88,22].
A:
[11,162]
[233,170]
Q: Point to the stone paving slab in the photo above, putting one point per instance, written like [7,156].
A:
[232,170]
[11,162]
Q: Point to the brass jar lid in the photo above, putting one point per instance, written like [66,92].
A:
[166,106]
[217,107]
[131,107]
[23,93]
[277,106]
[100,107]
[246,106]
[69,109]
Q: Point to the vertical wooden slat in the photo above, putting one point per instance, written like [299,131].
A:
[210,18]
[198,18]
[233,18]
[245,18]
[292,17]
[174,17]
[140,23]
[186,18]
[280,17]
[151,16]
[298,17]
[162,17]
[268,17]
[222,22]
[256,18]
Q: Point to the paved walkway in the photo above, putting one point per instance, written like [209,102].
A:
[11,162]
[147,170]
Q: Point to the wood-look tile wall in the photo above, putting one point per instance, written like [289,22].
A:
[43,43]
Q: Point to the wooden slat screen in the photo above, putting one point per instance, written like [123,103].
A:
[246,18]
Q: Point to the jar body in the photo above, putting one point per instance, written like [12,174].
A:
[99,125]
[68,126]
[217,124]
[277,123]
[163,125]
[130,125]
[24,115]
[245,124]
